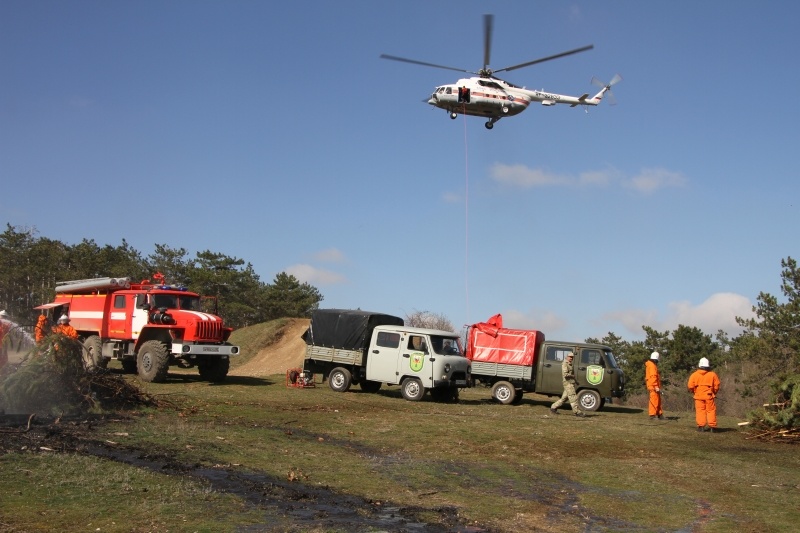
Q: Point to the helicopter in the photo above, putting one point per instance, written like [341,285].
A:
[486,95]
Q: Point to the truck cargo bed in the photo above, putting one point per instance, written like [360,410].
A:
[502,370]
[335,355]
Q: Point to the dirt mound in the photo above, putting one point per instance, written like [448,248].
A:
[287,353]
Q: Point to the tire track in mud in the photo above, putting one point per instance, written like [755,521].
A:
[300,507]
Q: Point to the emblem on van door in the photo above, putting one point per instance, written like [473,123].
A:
[416,361]
[594,374]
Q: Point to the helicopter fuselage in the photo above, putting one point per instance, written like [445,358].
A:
[495,98]
[480,97]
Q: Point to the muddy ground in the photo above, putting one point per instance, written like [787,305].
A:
[303,507]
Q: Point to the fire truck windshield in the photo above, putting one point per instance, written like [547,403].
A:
[165,301]
[190,303]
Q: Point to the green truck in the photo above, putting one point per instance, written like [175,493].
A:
[513,362]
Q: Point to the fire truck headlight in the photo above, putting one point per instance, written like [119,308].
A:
[447,368]
[235,350]
[186,348]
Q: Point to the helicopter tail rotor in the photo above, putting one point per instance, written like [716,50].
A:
[607,87]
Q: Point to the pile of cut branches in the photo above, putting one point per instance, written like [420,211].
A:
[780,420]
[54,379]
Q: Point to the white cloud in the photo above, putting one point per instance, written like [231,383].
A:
[452,197]
[652,179]
[718,311]
[525,177]
[647,181]
[331,255]
[315,276]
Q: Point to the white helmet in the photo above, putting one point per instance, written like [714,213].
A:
[3,314]
[63,319]
[654,356]
[704,363]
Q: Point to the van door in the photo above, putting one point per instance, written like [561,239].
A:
[414,359]
[383,357]
[548,379]
[591,371]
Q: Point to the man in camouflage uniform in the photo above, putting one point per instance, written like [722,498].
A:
[568,376]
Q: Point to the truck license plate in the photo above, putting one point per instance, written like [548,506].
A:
[461,382]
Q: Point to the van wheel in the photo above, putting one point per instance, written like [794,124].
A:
[504,392]
[153,362]
[370,386]
[412,389]
[589,400]
[340,379]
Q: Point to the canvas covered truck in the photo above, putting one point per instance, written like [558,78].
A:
[146,326]
[371,349]
[513,362]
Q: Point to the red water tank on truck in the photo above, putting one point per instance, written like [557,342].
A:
[146,326]
[515,361]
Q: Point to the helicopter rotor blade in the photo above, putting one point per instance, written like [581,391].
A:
[488,23]
[548,58]
[415,62]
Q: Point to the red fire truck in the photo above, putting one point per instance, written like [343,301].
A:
[146,326]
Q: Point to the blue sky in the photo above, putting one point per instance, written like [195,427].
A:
[274,133]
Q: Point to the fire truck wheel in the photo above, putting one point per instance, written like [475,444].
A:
[589,400]
[412,389]
[504,392]
[94,352]
[339,379]
[370,386]
[214,370]
[153,362]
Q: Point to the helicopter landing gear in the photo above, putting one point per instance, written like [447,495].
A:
[454,115]
[489,125]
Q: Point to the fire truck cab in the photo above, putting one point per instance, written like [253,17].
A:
[146,326]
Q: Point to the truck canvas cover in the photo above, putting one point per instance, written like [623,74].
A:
[345,329]
[490,342]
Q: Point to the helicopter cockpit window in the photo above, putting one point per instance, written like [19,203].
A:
[448,90]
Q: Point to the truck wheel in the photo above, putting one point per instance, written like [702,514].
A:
[370,386]
[589,400]
[93,352]
[518,397]
[153,362]
[340,379]
[412,389]
[214,370]
[504,392]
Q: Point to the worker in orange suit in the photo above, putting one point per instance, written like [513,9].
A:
[704,384]
[40,331]
[63,328]
[653,381]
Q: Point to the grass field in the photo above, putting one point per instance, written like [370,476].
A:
[253,455]
[498,468]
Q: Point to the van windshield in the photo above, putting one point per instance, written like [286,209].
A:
[446,345]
